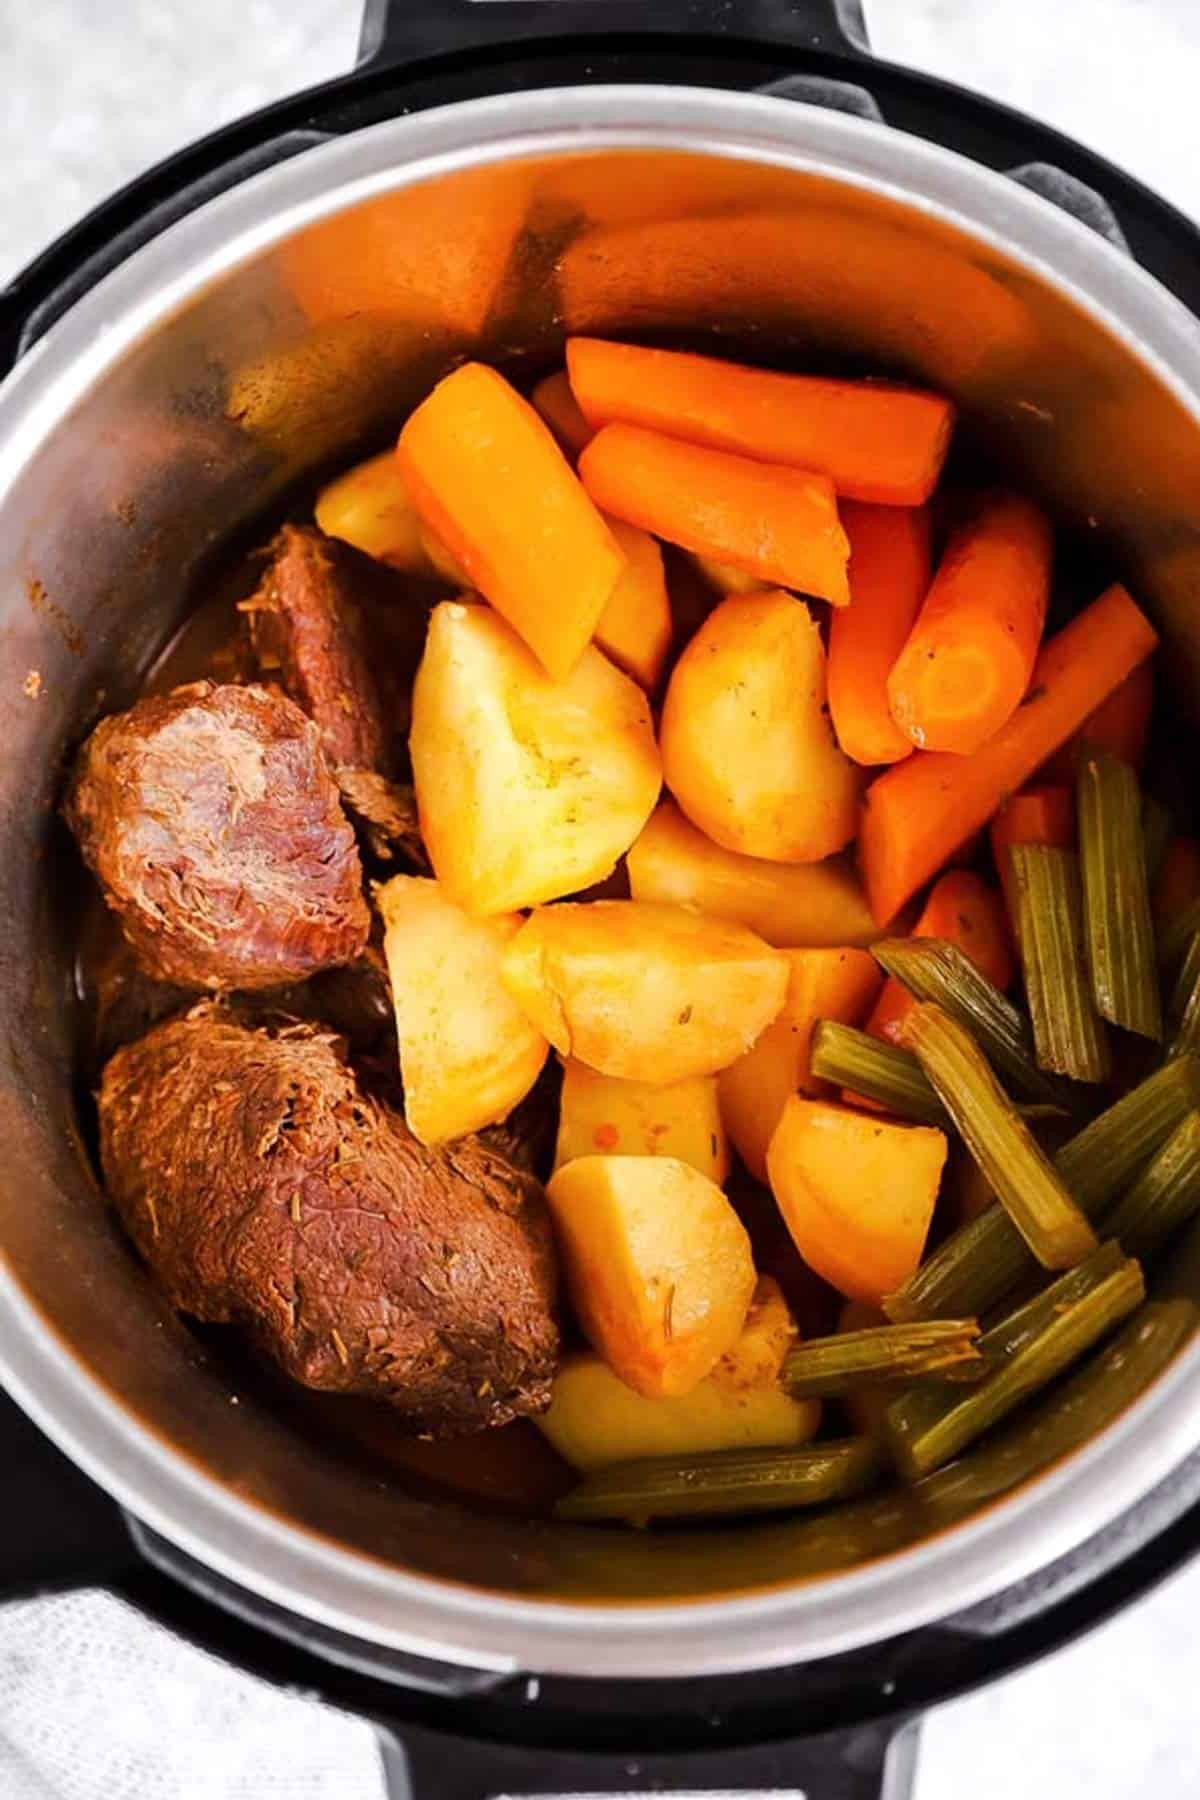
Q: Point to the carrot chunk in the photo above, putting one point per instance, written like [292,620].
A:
[917,813]
[779,524]
[889,576]
[875,442]
[557,405]
[968,659]
[1120,725]
[963,910]
[1040,815]
[486,475]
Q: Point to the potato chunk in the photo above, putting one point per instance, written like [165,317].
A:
[756,1356]
[747,747]
[857,1193]
[601,1116]
[791,905]
[467,1052]
[643,992]
[725,580]
[594,1419]
[370,507]
[658,1265]
[635,627]
[528,788]
[823,984]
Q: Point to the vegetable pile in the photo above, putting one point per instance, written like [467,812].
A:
[751,787]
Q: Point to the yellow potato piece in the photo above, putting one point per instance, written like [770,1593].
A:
[601,1116]
[790,905]
[725,579]
[644,992]
[528,788]
[594,1419]
[467,1052]
[857,1193]
[658,1266]
[635,627]
[369,507]
[756,1357]
[823,984]
[747,747]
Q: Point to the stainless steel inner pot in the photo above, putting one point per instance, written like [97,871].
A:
[288,325]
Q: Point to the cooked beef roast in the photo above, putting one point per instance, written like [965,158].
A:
[309,634]
[267,1188]
[122,1002]
[214,826]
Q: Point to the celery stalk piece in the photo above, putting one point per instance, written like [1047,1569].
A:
[933,1422]
[934,970]
[1165,1194]
[1116,897]
[1067,1032]
[880,1071]
[973,1269]
[839,1364]
[725,1482]
[1020,1173]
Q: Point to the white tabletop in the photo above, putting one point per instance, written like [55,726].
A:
[95,92]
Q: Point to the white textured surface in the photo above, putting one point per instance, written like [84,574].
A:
[93,91]
[97,1703]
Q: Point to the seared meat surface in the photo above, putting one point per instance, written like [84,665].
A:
[309,634]
[215,829]
[267,1188]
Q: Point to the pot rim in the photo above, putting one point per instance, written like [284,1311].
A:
[348,1591]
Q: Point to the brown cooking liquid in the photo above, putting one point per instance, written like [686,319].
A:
[514,1468]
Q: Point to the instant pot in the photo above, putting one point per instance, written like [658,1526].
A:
[736,174]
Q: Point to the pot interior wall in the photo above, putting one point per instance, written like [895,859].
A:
[311,353]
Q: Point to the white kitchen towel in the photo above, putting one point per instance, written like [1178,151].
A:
[99,1703]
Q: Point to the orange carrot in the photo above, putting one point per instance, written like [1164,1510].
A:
[1178,882]
[488,478]
[1040,815]
[780,524]
[1120,725]
[889,575]
[875,442]
[553,399]
[965,910]
[968,658]
[917,812]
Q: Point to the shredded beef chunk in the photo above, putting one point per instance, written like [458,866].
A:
[212,822]
[308,633]
[266,1188]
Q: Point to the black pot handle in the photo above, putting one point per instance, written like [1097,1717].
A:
[402,31]
[874,1762]
[59,1529]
